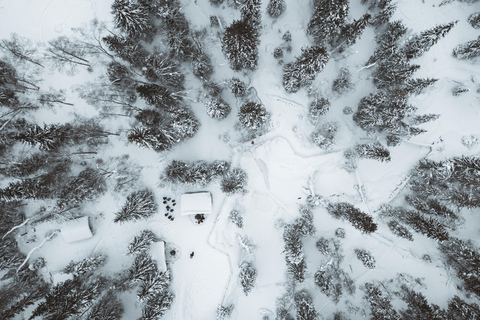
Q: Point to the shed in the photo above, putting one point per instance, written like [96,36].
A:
[196,203]
[157,252]
[76,230]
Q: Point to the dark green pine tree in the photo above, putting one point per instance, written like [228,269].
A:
[393,72]
[87,186]
[158,140]
[468,50]
[157,306]
[351,32]
[139,205]
[388,42]
[275,8]
[131,17]
[240,45]
[417,86]
[305,307]
[359,219]
[384,15]
[374,151]
[459,309]
[419,308]
[49,137]
[421,43]
[253,116]
[68,299]
[327,19]
[302,72]
[142,242]
[250,12]
[247,277]
[158,96]
[426,225]
[109,307]
[128,49]
[142,268]
[380,305]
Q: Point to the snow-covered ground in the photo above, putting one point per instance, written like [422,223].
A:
[281,165]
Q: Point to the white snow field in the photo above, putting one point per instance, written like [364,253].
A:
[283,166]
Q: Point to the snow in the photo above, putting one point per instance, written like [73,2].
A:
[76,230]
[196,203]
[281,165]
[61,277]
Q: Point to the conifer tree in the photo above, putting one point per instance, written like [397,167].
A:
[359,219]
[421,43]
[474,20]
[142,242]
[217,108]
[158,140]
[327,19]
[240,45]
[366,257]
[302,72]
[87,186]
[131,17]
[237,87]
[247,276]
[139,205]
[380,305]
[158,96]
[384,15]
[253,116]
[374,151]
[304,305]
[275,8]
[109,307]
[250,12]
[468,50]
[351,32]
[317,108]
[459,309]
[156,307]
[234,182]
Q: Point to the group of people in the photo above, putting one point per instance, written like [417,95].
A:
[169,209]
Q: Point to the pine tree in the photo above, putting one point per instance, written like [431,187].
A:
[157,306]
[131,17]
[393,72]
[380,305]
[109,307]
[468,50]
[87,265]
[158,96]
[458,309]
[400,230]
[417,86]
[388,42]
[374,151]
[49,137]
[304,305]
[234,182]
[351,32]
[419,308]
[297,270]
[359,219]
[217,108]
[251,14]
[139,205]
[87,186]
[247,277]
[202,66]
[464,258]
[240,45]
[327,19]
[158,140]
[153,285]
[331,280]
[275,8]
[384,15]
[366,257]
[419,44]
[68,299]
[302,72]
[317,108]
[474,20]
[142,242]
[142,268]
[159,67]
[224,312]
[425,225]
[128,49]
[236,218]
[237,87]
[292,238]
[253,116]
[343,83]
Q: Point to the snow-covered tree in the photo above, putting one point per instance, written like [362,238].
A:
[380,305]
[250,11]
[399,230]
[366,257]
[217,108]
[351,32]
[374,151]
[156,307]
[302,72]
[325,136]
[343,83]
[126,48]
[132,18]
[224,312]
[247,276]
[418,306]
[236,218]
[275,8]
[460,309]
[153,284]
[142,268]
[240,45]
[158,96]
[317,108]
[388,42]
[468,50]
[109,307]
[332,280]
[253,116]
[202,66]
[237,87]
[159,67]
[139,205]
[87,186]
[304,306]
[464,258]
[384,15]
[158,140]
[340,233]
[328,247]
[294,252]
[421,43]
[87,265]
[359,219]
[327,19]
[474,20]
[142,242]
[234,181]
[197,173]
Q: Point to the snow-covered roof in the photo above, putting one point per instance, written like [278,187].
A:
[197,202]
[157,251]
[76,230]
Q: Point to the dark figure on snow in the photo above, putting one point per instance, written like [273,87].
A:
[192,254]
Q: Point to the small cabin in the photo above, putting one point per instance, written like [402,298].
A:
[196,203]
[76,230]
